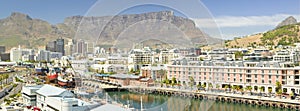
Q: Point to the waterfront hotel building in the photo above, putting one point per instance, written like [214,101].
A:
[241,73]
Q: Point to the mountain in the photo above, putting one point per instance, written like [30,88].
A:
[288,21]
[122,29]
[21,29]
[286,33]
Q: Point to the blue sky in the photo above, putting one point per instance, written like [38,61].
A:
[253,15]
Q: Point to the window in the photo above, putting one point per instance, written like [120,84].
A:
[248,80]
[263,81]
[262,71]
[269,76]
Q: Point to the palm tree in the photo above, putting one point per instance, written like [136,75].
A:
[238,88]
[191,81]
[210,85]
[292,95]
[269,90]
[217,86]
[167,82]
[173,81]
[278,88]
[198,86]
[204,86]
[226,87]
[255,88]
[233,87]
[249,88]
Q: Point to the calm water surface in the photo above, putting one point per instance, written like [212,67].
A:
[164,103]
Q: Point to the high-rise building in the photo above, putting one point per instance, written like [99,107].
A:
[60,46]
[51,46]
[81,47]
[2,49]
[56,46]
[70,47]
[17,54]
[43,55]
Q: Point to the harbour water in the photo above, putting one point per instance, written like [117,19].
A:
[153,102]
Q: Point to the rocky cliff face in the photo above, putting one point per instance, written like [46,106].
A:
[288,21]
[135,27]
[106,30]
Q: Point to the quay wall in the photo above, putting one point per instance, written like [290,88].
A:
[220,97]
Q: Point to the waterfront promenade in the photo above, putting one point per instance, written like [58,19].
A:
[220,96]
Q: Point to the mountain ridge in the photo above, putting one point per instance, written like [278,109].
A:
[21,29]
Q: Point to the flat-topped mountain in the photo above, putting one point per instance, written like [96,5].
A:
[21,29]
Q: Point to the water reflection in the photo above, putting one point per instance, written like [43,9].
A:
[164,103]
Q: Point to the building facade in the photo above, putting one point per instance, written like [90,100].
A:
[255,74]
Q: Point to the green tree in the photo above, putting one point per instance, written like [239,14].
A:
[249,88]
[173,81]
[233,87]
[198,86]
[255,88]
[269,90]
[226,86]
[261,89]
[217,86]
[278,87]
[191,83]
[238,55]
[203,85]
[210,85]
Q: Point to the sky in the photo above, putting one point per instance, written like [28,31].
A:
[233,18]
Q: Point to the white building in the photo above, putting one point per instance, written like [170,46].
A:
[29,94]
[51,98]
[17,53]
[80,66]
[287,56]
[110,68]
[137,57]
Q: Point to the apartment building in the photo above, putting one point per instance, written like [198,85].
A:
[241,73]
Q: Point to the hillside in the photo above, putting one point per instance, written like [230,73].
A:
[21,29]
[287,34]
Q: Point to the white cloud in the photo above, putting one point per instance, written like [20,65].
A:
[241,21]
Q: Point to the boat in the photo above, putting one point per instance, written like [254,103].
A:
[41,70]
[67,81]
[53,73]
[61,81]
